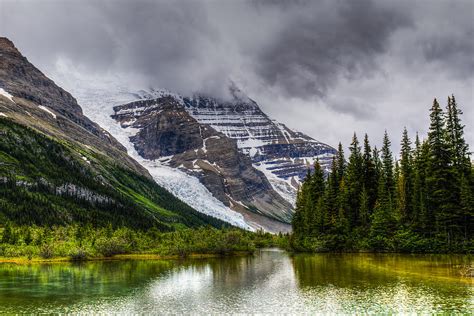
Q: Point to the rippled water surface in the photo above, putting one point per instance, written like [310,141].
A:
[270,281]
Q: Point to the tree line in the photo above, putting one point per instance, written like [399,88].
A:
[421,202]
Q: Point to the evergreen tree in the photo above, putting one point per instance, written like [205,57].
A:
[387,176]
[316,190]
[300,217]
[461,166]
[343,203]
[297,222]
[405,182]
[369,174]
[441,198]
[332,191]
[341,163]
[383,225]
[455,138]
[354,181]
[422,219]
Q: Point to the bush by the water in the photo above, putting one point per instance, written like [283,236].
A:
[79,242]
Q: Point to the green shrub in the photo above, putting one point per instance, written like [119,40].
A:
[109,247]
[78,254]
[46,251]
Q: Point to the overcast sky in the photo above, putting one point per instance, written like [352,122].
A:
[327,68]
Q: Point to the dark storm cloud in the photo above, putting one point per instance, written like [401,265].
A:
[343,61]
[301,48]
[325,39]
[456,51]
[164,42]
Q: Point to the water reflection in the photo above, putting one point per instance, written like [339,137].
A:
[385,282]
[270,281]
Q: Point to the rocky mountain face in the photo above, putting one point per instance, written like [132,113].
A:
[166,131]
[57,167]
[282,154]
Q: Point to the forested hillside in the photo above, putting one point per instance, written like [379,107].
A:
[48,181]
[422,202]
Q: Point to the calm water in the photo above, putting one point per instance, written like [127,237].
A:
[270,281]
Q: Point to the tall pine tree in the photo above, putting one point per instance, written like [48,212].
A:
[387,175]
[441,197]
[354,181]
[405,182]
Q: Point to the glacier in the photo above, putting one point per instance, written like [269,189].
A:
[97,97]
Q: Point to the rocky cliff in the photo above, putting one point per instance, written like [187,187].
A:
[282,154]
[166,131]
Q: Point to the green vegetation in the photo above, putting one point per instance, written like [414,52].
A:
[61,200]
[424,202]
[81,242]
[46,181]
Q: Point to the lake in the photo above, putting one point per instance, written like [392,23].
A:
[270,281]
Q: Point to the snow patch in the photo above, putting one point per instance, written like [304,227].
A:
[204,148]
[3,114]
[284,187]
[6,95]
[47,110]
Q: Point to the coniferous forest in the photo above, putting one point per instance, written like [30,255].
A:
[421,200]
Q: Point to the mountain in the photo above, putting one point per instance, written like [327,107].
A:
[225,158]
[282,154]
[59,167]
[166,131]
[246,160]
[180,141]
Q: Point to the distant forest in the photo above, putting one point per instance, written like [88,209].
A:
[422,202]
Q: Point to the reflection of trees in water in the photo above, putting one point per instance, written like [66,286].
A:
[435,275]
[242,272]
[82,279]
[338,270]
[329,280]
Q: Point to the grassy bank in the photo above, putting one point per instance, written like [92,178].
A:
[121,257]
[26,244]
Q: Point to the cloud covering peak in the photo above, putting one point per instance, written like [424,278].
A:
[353,62]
